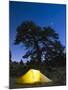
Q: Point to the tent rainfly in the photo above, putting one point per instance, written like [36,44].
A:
[33,76]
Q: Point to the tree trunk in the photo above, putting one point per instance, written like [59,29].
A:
[38,57]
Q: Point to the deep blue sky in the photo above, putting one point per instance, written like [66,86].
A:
[53,15]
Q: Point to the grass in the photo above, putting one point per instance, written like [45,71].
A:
[57,75]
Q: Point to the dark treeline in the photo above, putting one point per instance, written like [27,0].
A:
[19,68]
[41,43]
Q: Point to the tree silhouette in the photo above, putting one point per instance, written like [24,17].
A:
[28,34]
[40,42]
[21,62]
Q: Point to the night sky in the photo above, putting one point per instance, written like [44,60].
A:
[53,15]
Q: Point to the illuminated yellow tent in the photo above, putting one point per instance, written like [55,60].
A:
[32,76]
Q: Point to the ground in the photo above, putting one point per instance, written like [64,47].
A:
[57,75]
